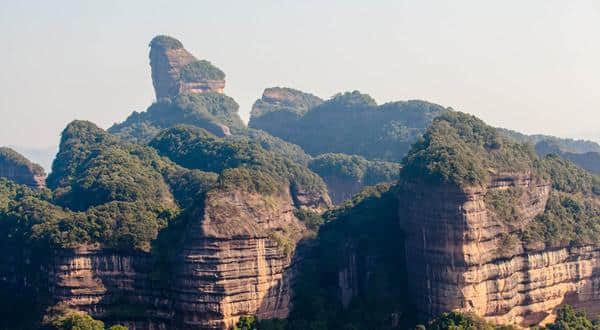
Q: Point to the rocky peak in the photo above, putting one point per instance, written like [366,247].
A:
[283,98]
[16,167]
[175,71]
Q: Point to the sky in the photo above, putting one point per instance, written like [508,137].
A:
[531,66]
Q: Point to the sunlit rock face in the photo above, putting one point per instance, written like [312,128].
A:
[175,71]
[236,257]
[455,262]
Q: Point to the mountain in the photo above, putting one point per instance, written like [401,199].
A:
[19,169]
[175,71]
[42,156]
[350,123]
[188,91]
[479,230]
[492,229]
[181,217]
[570,145]
[123,228]
[588,160]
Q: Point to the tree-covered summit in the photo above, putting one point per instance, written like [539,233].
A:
[461,149]
[195,148]
[215,112]
[350,123]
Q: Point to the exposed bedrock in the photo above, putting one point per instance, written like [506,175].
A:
[235,260]
[455,260]
[176,71]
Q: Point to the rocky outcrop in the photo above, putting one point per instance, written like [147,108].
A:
[235,259]
[279,109]
[15,167]
[458,258]
[169,62]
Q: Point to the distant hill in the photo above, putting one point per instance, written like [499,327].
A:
[350,123]
[584,153]
[42,156]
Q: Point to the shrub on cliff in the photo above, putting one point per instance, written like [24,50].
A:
[460,321]
[569,318]
[567,220]
[78,322]
[201,70]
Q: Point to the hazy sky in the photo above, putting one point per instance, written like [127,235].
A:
[533,65]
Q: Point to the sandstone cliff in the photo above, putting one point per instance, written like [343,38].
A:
[235,259]
[493,229]
[175,71]
[457,258]
[15,167]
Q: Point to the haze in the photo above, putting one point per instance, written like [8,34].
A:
[531,66]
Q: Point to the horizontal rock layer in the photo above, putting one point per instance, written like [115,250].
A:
[455,262]
[235,260]
[167,65]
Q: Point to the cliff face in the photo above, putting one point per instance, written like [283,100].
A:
[341,188]
[235,259]
[459,255]
[15,167]
[168,60]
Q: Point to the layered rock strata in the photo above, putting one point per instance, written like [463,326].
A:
[456,260]
[168,59]
[235,259]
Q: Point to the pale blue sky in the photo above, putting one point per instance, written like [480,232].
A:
[533,65]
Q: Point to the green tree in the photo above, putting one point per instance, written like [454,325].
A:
[78,322]
[568,318]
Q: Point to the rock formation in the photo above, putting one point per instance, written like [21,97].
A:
[175,71]
[15,167]
[455,260]
[236,259]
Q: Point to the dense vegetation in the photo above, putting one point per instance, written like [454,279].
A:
[354,168]
[286,100]
[165,42]
[13,159]
[362,230]
[346,175]
[460,321]
[211,111]
[274,144]
[461,149]
[105,191]
[239,160]
[349,123]
[201,70]
[568,318]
